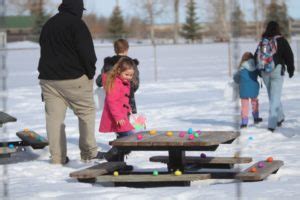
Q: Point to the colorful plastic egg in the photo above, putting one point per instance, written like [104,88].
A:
[139,136]
[178,173]
[155,173]
[182,134]
[169,133]
[191,137]
[253,169]
[261,165]
[269,159]
[116,173]
[152,132]
[203,155]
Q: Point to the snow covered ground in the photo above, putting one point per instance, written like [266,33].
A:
[192,80]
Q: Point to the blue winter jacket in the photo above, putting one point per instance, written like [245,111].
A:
[246,77]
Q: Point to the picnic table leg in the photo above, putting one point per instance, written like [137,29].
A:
[176,160]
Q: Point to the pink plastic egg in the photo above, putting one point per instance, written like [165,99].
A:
[139,136]
[191,137]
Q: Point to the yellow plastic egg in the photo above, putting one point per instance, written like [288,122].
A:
[169,133]
[178,173]
[116,173]
[152,132]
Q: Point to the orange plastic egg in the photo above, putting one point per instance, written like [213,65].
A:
[269,159]
[253,170]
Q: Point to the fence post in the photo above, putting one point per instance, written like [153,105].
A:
[297,55]
[3,39]
[3,69]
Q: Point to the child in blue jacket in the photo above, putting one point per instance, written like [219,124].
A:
[246,77]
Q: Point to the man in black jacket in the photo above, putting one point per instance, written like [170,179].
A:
[66,70]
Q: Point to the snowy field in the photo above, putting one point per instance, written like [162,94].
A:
[192,81]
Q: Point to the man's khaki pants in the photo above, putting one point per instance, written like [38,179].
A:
[76,94]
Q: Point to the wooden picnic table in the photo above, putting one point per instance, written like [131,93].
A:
[174,144]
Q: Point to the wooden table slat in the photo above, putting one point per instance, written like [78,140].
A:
[261,173]
[210,160]
[151,178]
[97,170]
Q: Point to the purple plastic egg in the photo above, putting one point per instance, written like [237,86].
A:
[203,155]
[261,165]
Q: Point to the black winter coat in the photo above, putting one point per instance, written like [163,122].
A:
[67,50]
[109,62]
[283,56]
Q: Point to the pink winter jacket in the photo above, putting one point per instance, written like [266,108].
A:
[116,107]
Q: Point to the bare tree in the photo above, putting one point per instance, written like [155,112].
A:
[18,6]
[150,10]
[98,26]
[22,6]
[137,28]
[259,16]
[219,18]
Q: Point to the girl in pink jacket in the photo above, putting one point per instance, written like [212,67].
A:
[116,104]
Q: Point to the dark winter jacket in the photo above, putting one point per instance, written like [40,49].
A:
[109,62]
[246,77]
[283,56]
[67,50]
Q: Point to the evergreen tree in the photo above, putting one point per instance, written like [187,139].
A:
[116,23]
[278,13]
[191,28]
[238,22]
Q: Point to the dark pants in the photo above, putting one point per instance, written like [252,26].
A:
[114,154]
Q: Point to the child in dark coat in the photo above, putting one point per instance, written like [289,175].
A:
[246,77]
[121,48]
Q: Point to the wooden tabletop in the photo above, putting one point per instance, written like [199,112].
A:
[161,139]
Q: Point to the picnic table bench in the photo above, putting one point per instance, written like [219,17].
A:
[206,162]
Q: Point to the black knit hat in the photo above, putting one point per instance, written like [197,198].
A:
[75,7]
[71,3]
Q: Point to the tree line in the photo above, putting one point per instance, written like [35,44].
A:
[144,25]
